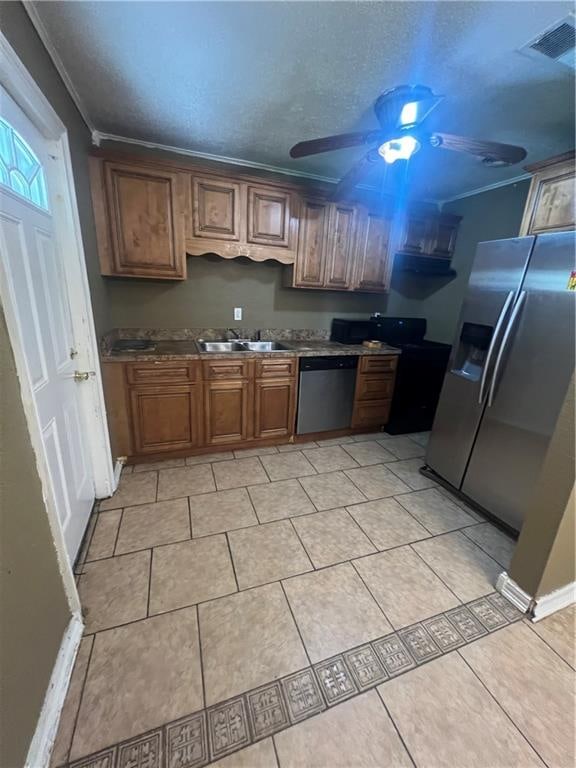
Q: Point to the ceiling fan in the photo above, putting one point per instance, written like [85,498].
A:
[401,112]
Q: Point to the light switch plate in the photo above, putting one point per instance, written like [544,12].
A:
[237,313]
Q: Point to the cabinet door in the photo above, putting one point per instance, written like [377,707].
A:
[269,216]
[444,236]
[371,413]
[215,209]
[274,408]
[417,233]
[165,418]
[310,266]
[550,204]
[340,246]
[373,254]
[227,411]
[145,213]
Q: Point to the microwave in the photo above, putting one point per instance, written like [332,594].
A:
[355,331]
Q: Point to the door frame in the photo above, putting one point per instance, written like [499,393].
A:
[20,85]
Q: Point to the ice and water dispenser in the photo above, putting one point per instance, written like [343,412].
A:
[472,350]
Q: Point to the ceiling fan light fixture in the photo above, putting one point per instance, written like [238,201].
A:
[401,148]
[405,106]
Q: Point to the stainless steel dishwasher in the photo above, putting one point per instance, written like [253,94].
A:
[326,393]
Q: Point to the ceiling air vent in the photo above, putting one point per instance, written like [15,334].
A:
[556,43]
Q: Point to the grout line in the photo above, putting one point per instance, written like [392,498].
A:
[372,596]
[117,533]
[296,623]
[448,587]
[233,565]
[396,728]
[92,644]
[189,516]
[412,515]
[530,626]
[498,704]
[357,524]
[301,542]
[465,528]
[149,584]
[200,653]
[276,750]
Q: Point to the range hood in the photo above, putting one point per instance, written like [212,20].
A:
[423,265]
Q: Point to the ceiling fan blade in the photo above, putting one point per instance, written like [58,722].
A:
[340,141]
[489,150]
[355,175]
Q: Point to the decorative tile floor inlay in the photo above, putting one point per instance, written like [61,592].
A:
[465,623]
[365,667]
[487,613]
[303,695]
[394,655]
[421,645]
[143,752]
[228,727]
[335,680]
[444,633]
[268,709]
[186,743]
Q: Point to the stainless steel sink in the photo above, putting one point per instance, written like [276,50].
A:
[241,346]
[221,346]
[263,346]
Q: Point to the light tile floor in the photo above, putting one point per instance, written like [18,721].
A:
[275,607]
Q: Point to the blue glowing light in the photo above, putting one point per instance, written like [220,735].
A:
[398,149]
[409,113]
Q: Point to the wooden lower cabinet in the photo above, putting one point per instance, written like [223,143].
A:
[375,382]
[165,418]
[227,411]
[274,404]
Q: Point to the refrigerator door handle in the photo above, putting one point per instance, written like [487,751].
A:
[505,339]
[492,346]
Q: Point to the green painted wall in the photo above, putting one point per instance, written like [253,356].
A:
[489,215]
[34,610]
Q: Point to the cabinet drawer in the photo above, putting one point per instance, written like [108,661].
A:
[378,363]
[373,413]
[160,372]
[226,369]
[274,369]
[375,386]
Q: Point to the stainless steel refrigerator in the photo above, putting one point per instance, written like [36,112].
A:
[511,365]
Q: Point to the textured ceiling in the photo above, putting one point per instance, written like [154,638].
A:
[249,79]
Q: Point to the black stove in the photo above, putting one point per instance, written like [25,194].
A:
[420,372]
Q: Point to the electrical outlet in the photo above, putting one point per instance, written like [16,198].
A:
[237,313]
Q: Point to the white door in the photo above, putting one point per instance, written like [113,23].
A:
[33,267]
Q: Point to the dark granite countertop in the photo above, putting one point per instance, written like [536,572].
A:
[183,346]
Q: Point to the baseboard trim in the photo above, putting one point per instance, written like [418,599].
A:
[45,733]
[511,591]
[554,601]
[118,471]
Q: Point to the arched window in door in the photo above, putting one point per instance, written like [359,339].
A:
[20,169]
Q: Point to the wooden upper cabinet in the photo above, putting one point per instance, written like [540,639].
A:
[417,233]
[268,216]
[340,246]
[373,258]
[216,209]
[444,232]
[139,219]
[310,262]
[550,204]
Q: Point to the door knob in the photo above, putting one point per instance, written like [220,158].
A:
[83,375]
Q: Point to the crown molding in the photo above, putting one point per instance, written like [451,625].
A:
[98,137]
[38,24]
[487,188]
